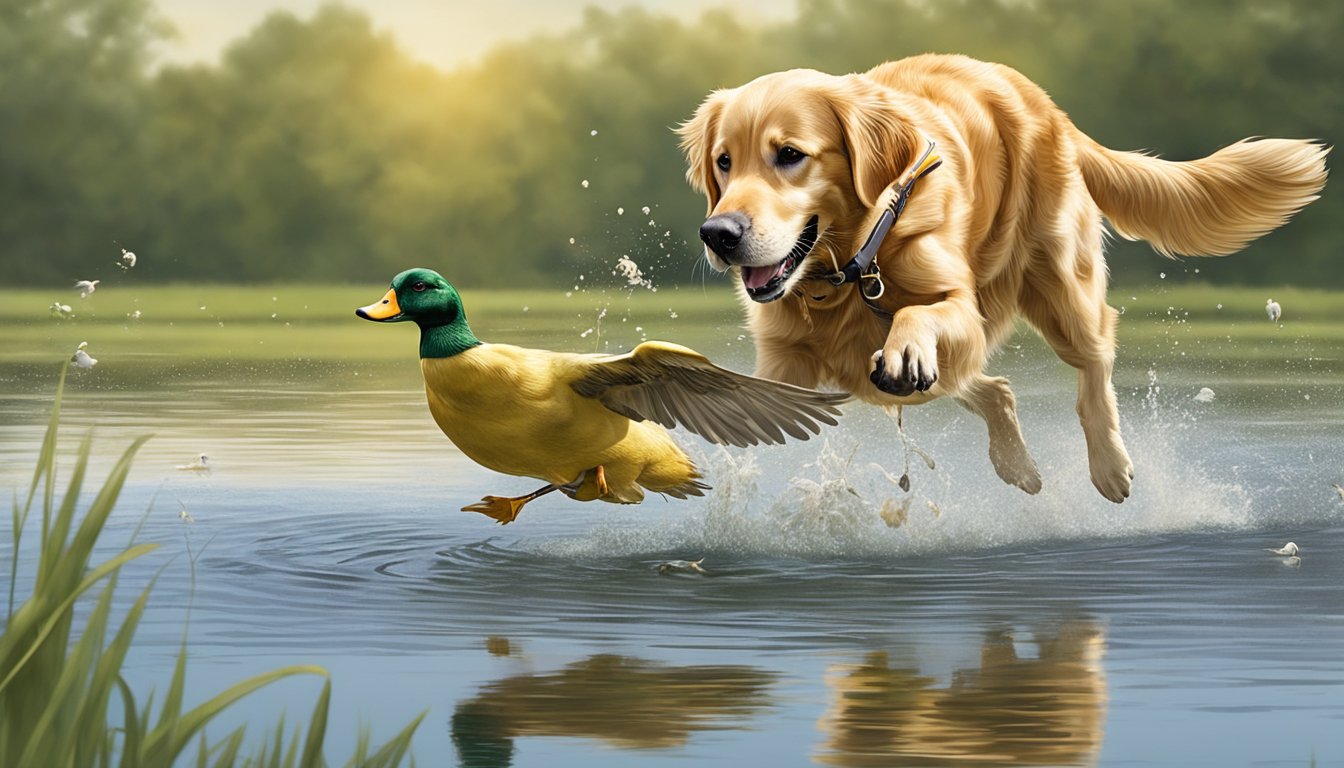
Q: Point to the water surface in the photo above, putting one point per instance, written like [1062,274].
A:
[989,625]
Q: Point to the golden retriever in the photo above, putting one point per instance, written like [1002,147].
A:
[797,168]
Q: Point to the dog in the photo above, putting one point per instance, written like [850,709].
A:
[798,166]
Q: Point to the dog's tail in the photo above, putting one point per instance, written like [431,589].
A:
[1207,207]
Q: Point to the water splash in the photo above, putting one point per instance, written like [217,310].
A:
[825,502]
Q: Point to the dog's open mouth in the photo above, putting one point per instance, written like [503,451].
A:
[766,284]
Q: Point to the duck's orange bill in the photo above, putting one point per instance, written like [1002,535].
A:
[381,310]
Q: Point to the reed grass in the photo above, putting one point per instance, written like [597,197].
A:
[58,688]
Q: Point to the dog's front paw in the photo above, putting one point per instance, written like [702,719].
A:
[904,369]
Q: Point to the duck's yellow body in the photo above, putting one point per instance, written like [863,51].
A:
[514,410]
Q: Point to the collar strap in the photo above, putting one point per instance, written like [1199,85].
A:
[862,260]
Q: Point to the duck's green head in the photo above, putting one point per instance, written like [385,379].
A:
[423,296]
[417,294]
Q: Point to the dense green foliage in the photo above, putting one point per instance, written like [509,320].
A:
[318,149]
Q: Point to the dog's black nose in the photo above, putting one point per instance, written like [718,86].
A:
[723,232]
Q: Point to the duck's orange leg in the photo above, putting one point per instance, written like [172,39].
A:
[592,484]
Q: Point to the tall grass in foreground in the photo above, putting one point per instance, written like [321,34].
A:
[56,690]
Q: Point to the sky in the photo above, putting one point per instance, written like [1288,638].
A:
[446,33]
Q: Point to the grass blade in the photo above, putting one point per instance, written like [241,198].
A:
[172,703]
[46,457]
[133,728]
[101,508]
[17,521]
[317,729]
[55,560]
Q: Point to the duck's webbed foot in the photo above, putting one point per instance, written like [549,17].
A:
[505,509]
[502,509]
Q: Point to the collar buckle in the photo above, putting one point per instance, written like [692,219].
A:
[859,266]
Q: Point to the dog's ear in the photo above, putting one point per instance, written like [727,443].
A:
[881,144]
[697,139]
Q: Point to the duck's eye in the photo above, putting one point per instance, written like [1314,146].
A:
[789,156]
[724,162]
[419,286]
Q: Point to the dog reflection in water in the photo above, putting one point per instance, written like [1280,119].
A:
[1047,710]
[625,702]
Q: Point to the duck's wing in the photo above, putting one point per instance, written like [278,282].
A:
[670,385]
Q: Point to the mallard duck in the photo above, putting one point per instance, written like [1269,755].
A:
[589,425]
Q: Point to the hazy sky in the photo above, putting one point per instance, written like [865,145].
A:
[442,32]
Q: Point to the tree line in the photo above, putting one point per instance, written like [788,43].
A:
[317,149]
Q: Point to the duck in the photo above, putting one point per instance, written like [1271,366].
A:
[592,426]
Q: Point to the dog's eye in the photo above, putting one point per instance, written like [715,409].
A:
[419,286]
[724,162]
[789,156]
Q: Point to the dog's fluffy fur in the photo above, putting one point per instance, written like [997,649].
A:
[1010,224]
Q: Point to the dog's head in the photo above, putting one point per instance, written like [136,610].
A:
[791,163]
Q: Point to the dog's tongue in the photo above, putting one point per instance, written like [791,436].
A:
[756,277]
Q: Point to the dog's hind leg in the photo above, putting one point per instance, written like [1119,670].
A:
[1064,297]
[1108,461]
[992,399]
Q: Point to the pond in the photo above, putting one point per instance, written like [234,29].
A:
[985,625]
